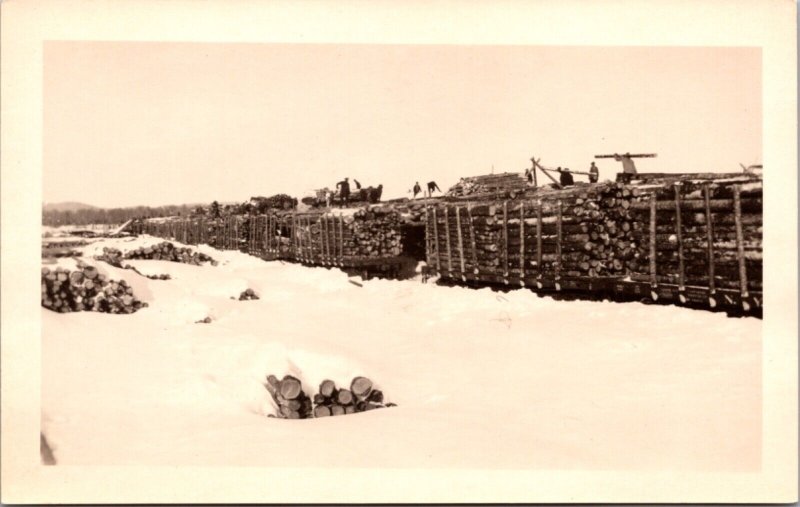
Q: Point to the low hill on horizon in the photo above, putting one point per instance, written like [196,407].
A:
[66,206]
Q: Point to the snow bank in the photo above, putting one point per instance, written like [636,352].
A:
[482,379]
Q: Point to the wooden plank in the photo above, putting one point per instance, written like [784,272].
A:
[428,253]
[341,239]
[269,237]
[294,234]
[300,240]
[333,238]
[558,240]
[236,234]
[447,239]
[311,239]
[737,214]
[473,246]
[679,235]
[709,240]
[522,242]
[460,239]
[323,231]
[505,239]
[539,239]
[436,240]
[653,216]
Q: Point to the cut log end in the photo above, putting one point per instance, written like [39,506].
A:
[361,386]
[290,387]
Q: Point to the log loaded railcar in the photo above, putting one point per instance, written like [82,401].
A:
[692,239]
[366,241]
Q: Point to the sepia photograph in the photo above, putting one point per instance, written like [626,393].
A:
[401,256]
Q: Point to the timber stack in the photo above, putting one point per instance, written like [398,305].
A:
[681,230]
[162,251]
[582,231]
[361,397]
[248,295]
[85,289]
[368,233]
[701,232]
[489,184]
[289,397]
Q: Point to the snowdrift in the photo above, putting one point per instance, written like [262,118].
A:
[482,379]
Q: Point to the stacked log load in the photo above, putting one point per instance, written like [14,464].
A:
[371,232]
[604,230]
[85,289]
[489,183]
[583,231]
[700,233]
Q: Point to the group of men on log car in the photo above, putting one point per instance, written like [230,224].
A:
[343,194]
[566,179]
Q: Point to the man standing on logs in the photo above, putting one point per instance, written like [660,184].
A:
[628,168]
[344,192]
[594,173]
[431,187]
[417,189]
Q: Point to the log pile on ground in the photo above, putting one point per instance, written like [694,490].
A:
[57,253]
[361,397]
[168,252]
[162,251]
[489,183]
[248,295]
[85,289]
[288,395]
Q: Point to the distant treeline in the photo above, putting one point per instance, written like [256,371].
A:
[112,216]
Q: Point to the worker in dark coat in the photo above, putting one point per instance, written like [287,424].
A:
[594,173]
[344,191]
[417,189]
[431,187]
[375,193]
[566,177]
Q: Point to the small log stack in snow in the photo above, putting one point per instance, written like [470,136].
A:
[169,252]
[85,289]
[288,394]
[361,397]
[162,251]
[248,295]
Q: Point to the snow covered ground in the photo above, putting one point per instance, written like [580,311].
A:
[482,379]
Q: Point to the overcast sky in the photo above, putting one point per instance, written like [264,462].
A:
[169,123]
